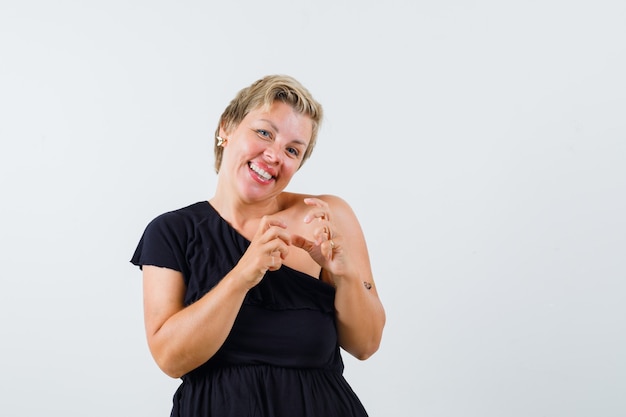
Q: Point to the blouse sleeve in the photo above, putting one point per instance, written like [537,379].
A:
[163,244]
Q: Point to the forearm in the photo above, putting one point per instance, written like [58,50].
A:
[192,336]
[360,318]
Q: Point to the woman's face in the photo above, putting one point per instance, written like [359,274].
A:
[265,150]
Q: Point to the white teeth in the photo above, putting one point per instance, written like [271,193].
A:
[260,172]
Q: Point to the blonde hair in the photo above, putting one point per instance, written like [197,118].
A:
[263,93]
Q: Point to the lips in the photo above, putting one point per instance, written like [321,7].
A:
[260,172]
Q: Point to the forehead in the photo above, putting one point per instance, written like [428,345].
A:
[284,119]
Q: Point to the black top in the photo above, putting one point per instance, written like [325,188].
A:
[282,356]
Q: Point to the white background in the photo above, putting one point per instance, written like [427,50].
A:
[481,143]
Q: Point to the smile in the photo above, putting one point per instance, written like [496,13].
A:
[262,173]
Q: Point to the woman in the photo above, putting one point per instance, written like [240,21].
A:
[249,296]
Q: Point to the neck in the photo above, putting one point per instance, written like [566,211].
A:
[241,213]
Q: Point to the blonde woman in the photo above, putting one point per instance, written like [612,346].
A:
[250,296]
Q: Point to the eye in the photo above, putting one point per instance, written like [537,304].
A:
[264,133]
[293,151]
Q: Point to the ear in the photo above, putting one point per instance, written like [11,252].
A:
[223,132]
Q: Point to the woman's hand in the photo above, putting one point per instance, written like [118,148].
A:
[338,246]
[267,250]
[327,247]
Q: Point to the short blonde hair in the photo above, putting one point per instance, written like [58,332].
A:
[263,93]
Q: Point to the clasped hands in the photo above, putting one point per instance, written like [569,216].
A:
[271,243]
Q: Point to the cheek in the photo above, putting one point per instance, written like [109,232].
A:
[244,151]
[252,148]
[290,167]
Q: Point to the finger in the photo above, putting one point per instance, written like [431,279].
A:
[276,261]
[312,201]
[282,250]
[322,233]
[302,243]
[269,222]
[276,244]
[320,210]
[328,248]
[270,229]
[319,214]
[279,235]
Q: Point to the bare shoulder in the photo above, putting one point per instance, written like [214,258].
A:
[297,201]
[337,204]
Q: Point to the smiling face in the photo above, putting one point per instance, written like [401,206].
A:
[265,150]
[262,94]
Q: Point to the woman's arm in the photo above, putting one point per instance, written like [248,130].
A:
[345,263]
[181,338]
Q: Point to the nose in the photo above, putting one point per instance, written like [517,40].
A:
[272,153]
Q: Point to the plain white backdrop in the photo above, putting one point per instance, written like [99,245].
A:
[481,143]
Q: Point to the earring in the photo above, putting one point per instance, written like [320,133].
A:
[220,141]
